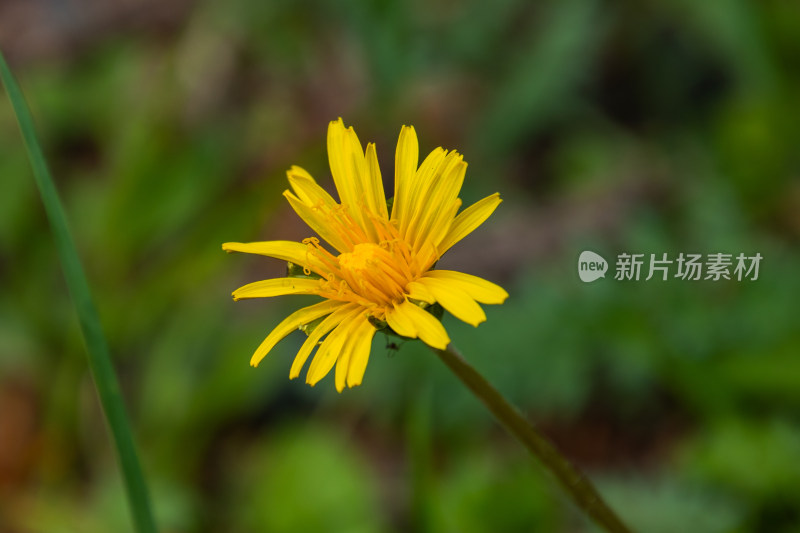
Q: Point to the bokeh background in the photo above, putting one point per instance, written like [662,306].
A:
[640,127]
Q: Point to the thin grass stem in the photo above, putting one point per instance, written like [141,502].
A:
[105,379]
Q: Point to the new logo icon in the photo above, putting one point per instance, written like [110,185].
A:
[591,266]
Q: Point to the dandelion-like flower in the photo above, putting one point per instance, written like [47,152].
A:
[381,273]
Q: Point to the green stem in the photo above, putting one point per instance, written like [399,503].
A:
[99,359]
[577,486]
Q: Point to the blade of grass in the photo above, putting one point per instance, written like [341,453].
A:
[105,379]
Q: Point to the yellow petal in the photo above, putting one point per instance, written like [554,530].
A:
[441,224]
[358,164]
[330,350]
[342,364]
[349,170]
[362,185]
[330,322]
[469,219]
[376,197]
[444,203]
[437,187]
[359,338]
[401,322]
[299,172]
[478,288]
[276,287]
[307,190]
[415,192]
[424,324]
[456,301]
[294,252]
[360,353]
[405,167]
[340,157]
[418,291]
[291,323]
[317,222]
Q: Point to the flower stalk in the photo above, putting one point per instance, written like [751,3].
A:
[577,486]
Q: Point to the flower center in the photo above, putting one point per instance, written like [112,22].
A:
[363,258]
[374,273]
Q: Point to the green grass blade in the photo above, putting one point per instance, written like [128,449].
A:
[99,360]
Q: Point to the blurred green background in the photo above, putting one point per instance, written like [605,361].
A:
[641,127]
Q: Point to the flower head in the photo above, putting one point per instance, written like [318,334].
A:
[380,273]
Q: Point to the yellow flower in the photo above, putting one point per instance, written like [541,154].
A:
[381,271]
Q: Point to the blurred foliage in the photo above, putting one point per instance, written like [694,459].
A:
[683,398]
